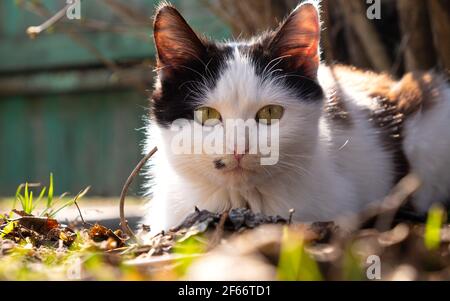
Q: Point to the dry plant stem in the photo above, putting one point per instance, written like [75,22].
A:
[125,12]
[30,185]
[33,31]
[83,42]
[40,10]
[218,234]
[79,211]
[396,199]
[440,19]
[386,211]
[123,222]
[383,214]
[326,35]
[355,13]
[415,24]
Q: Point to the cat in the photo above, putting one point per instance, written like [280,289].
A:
[346,136]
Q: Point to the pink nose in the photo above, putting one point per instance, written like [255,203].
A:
[238,157]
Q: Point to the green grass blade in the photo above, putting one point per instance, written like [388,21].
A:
[435,220]
[188,250]
[21,200]
[7,229]
[41,195]
[71,202]
[50,192]
[294,263]
[30,203]
[39,199]
[18,195]
[68,203]
[25,198]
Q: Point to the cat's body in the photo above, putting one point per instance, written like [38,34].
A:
[346,137]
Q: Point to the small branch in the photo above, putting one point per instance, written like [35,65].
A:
[123,222]
[79,211]
[218,234]
[326,34]
[396,199]
[291,216]
[83,42]
[367,33]
[224,16]
[440,19]
[386,211]
[133,16]
[415,24]
[34,31]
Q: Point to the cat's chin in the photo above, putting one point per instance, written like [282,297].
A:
[237,171]
[239,176]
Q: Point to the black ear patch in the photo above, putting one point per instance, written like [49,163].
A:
[176,42]
[178,95]
[298,38]
[187,65]
[291,53]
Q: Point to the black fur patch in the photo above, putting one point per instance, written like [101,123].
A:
[175,99]
[304,87]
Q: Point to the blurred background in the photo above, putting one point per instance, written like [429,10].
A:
[73,92]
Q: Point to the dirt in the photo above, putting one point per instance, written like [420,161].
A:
[218,246]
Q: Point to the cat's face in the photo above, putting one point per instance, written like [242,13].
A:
[269,83]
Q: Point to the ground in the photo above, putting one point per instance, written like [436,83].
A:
[236,245]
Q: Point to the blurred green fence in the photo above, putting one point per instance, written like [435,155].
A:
[72,99]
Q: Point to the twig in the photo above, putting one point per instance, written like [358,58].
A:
[396,199]
[39,9]
[400,54]
[439,14]
[291,216]
[79,211]
[78,38]
[30,185]
[123,222]
[386,211]
[414,21]
[224,15]
[218,234]
[34,31]
[326,33]
[124,11]
[367,33]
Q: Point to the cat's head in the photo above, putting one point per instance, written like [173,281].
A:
[269,82]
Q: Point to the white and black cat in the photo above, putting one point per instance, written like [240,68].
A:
[345,136]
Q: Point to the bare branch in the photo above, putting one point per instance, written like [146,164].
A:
[355,13]
[414,23]
[123,222]
[34,31]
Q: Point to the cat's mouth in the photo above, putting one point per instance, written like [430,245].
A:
[237,169]
[232,166]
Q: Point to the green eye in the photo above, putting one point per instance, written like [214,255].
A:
[270,114]
[207,116]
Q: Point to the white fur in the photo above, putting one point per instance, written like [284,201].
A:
[427,147]
[324,171]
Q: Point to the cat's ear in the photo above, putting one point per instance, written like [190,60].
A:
[176,42]
[297,40]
